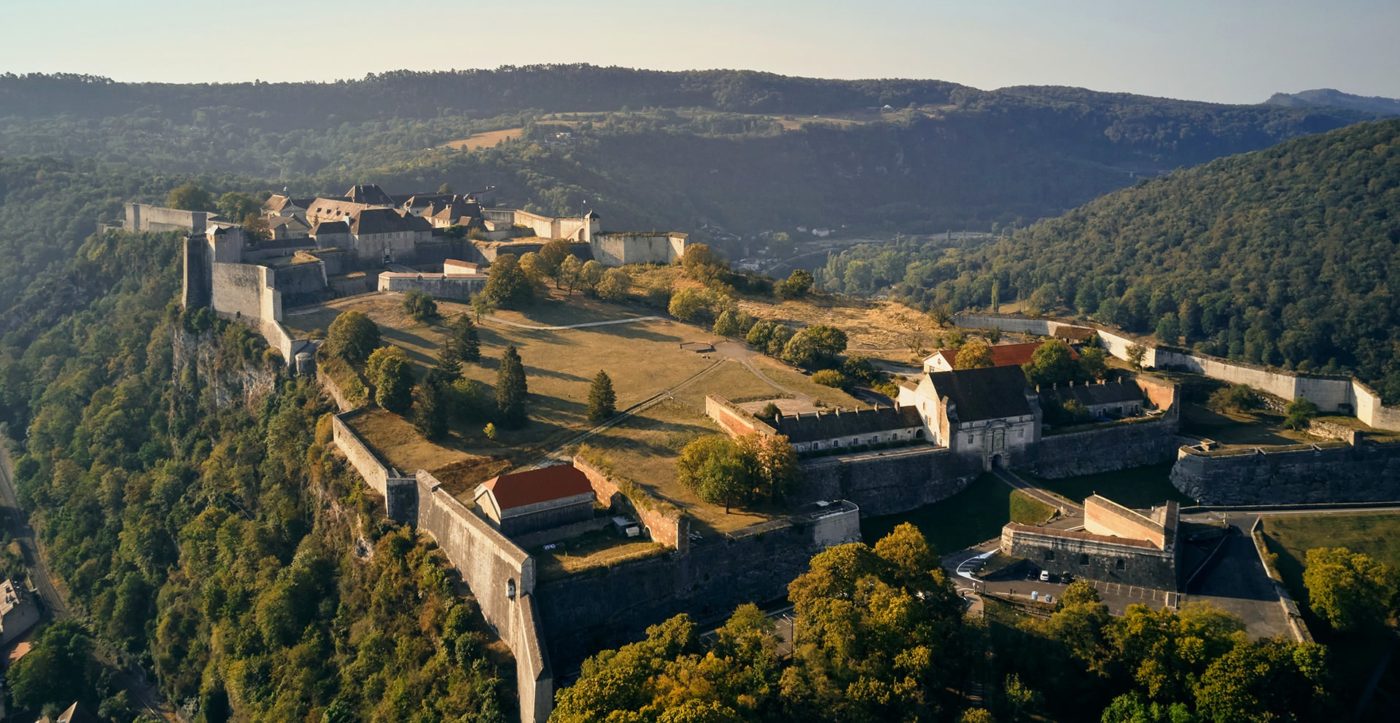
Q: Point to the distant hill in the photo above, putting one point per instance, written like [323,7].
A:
[737,152]
[1332,98]
[1288,256]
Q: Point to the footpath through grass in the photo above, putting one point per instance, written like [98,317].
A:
[974,515]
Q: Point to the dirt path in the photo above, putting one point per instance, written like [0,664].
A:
[585,325]
[741,353]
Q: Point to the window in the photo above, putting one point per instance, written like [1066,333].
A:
[1120,564]
[1049,555]
[1083,559]
[970,438]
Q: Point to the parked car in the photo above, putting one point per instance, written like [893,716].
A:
[626,527]
[1045,576]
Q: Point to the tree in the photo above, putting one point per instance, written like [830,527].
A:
[590,275]
[772,464]
[190,197]
[507,284]
[236,205]
[570,273]
[430,409]
[511,390]
[352,337]
[614,285]
[602,401]
[482,306]
[701,263]
[1093,362]
[1297,413]
[1052,363]
[58,667]
[446,369]
[1136,354]
[419,306]
[463,343]
[553,254]
[1351,591]
[698,305]
[389,370]
[797,285]
[830,378]
[819,345]
[533,266]
[733,323]
[714,467]
[975,354]
[1267,680]
[1169,329]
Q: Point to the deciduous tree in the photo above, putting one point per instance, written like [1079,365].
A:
[352,337]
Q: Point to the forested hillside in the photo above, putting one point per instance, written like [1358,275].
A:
[744,151]
[185,495]
[1288,256]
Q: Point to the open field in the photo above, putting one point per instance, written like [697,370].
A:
[974,515]
[486,139]
[643,358]
[1139,488]
[1239,428]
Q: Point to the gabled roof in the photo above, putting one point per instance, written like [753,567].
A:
[537,485]
[330,227]
[1005,355]
[368,193]
[277,201]
[845,423]
[981,394]
[386,220]
[1092,394]
[276,221]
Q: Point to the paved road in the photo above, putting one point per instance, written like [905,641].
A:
[19,528]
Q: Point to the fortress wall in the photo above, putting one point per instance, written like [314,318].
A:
[884,483]
[375,473]
[617,249]
[237,291]
[301,279]
[1329,393]
[667,526]
[1161,393]
[141,217]
[734,420]
[342,402]
[1367,472]
[437,285]
[1104,517]
[1092,559]
[501,577]
[1108,448]
[610,606]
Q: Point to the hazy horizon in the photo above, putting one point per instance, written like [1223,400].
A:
[1241,53]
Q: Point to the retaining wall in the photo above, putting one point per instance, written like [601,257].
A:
[606,607]
[666,525]
[1366,472]
[141,217]
[734,420]
[1090,556]
[885,483]
[617,249]
[1107,448]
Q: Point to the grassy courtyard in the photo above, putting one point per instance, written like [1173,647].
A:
[974,515]
[643,358]
[1139,488]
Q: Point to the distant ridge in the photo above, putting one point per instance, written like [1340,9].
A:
[1333,98]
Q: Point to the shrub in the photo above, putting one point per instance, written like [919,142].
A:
[420,306]
[830,378]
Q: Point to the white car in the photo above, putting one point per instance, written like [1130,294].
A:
[1045,576]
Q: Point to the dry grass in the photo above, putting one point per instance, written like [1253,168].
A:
[879,329]
[593,550]
[486,139]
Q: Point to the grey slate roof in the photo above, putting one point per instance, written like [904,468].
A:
[846,423]
[1092,394]
[386,220]
[981,394]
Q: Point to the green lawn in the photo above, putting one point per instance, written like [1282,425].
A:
[974,515]
[1139,488]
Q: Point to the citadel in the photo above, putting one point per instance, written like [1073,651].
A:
[945,428]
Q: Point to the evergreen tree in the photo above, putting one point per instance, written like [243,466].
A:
[463,344]
[446,370]
[511,389]
[602,401]
[430,409]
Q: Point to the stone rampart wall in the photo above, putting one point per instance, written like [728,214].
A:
[438,286]
[342,402]
[1092,559]
[1108,518]
[1107,448]
[667,525]
[1329,393]
[1367,472]
[884,483]
[375,473]
[733,420]
[617,249]
[611,606]
[502,579]
[237,291]
[141,217]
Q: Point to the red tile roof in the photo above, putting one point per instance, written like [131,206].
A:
[538,485]
[1014,355]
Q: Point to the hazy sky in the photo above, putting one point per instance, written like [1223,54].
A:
[1221,50]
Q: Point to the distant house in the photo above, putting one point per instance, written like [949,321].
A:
[1075,334]
[332,234]
[536,499]
[1003,355]
[287,227]
[18,612]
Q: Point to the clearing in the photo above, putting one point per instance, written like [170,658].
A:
[486,139]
